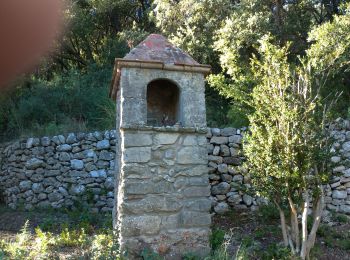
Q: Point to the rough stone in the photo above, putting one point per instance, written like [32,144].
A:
[64,148]
[222,168]
[221,208]
[219,140]
[71,138]
[138,139]
[55,196]
[337,194]
[77,164]
[137,154]
[235,139]
[104,144]
[221,189]
[45,141]
[165,138]
[34,163]
[25,185]
[248,200]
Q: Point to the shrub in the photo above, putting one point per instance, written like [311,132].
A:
[216,239]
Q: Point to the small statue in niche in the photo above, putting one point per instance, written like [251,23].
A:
[166,121]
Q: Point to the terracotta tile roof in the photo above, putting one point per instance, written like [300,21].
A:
[157,48]
[155,52]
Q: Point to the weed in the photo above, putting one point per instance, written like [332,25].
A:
[275,251]
[242,253]
[216,239]
[341,218]
[71,238]
[191,256]
[148,254]
[104,247]
[268,212]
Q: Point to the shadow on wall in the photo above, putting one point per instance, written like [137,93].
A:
[162,103]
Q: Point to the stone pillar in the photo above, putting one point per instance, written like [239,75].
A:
[163,202]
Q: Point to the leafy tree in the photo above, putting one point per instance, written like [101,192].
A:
[288,145]
[237,40]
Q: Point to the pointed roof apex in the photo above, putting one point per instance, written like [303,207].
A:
[156,52]
[157,48]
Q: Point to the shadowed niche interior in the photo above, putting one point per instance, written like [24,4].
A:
[162,103]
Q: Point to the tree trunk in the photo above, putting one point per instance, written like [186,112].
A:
[317,220]
[283,225]
[294,225]
[303,250]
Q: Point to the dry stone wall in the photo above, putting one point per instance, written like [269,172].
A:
[60,171]
[57,171]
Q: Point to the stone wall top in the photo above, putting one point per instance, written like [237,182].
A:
[172,129]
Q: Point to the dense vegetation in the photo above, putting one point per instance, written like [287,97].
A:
[69,89]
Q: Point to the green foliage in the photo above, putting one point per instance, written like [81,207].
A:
[334,238]
[100,245]
[149,254]
[288,22]
[75,102]
[341,218]
[275,251]
[71,238]
[104,247]
[268,212]
[216,239]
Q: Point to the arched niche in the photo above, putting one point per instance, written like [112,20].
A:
[162,103]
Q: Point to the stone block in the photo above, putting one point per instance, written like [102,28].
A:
[224,150]
[132,226]
[137,154]
[137,139]
[232,160]
[165,138]
[228,131]
[346,146]
[197,191]
[103,144]
[222,168]
[216,150]
[219,140]
[339,194]
[215,159]
[64,148]
[71,138]
[194,219]
[190,140]
[198,204]
[192,155]
[221,208]
[237,139]
[221,189]
[153,204]
[106,156]
[77,164]
[215,131]
[248,200]
[25,185]
[345,209]
[34,163]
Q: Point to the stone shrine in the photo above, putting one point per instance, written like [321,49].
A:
[162,189]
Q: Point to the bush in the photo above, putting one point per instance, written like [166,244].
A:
[216,239]
[268,212]
[74,102]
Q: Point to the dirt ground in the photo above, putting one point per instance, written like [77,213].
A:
[243,225]
[239,226]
